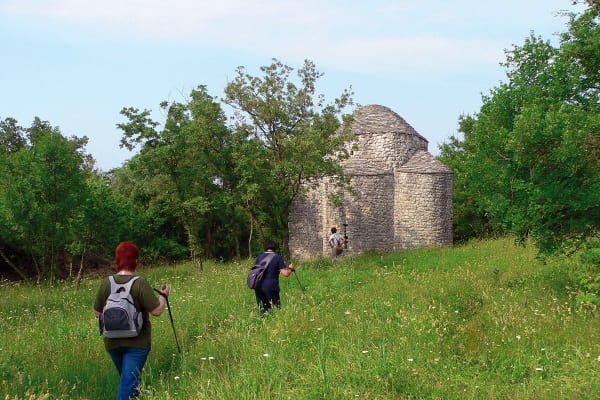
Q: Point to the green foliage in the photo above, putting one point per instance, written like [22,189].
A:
[12,136]
[105,218]
[289,138]
[469,218]
[529,163]
[589,277]
[181,177]
[54,210]
[485,320]
[43,189]
[160,249]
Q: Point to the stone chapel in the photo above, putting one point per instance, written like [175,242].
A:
[402,199]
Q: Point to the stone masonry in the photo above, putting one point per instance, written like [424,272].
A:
[402,195]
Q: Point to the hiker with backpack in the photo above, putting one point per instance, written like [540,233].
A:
[267,290]
[126,329]
[336,242]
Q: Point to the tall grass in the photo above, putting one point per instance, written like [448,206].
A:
[482,321]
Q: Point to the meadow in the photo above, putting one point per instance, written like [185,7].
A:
[486,320]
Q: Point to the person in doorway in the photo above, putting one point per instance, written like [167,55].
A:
[129,354]
[336,242]
[267,292]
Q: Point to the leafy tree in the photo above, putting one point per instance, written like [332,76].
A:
[182,171]
[288,138]
[12,139]
[12,136]
[104,219]
[43,187]
[150,225]
[531,154]
[469,218]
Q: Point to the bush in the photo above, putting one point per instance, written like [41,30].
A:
[164,249]
[589,277]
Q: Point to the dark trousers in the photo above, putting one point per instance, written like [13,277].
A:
[267,298]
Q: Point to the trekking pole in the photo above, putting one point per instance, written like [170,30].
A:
[171,318]
[296,275]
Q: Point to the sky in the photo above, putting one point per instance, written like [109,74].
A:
[77,63]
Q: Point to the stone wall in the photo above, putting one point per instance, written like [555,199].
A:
[306,224]
[422,221]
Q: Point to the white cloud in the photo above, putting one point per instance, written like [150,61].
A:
[405,54]
[379,36]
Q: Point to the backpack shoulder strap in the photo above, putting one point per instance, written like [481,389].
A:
[265,261]
[127,285]
[114,286]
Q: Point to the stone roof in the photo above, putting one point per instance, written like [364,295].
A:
[422,162]
[374,118]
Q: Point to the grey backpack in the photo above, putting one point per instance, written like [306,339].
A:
[120,318]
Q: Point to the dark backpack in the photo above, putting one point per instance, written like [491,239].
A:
[257,272]
[120,318]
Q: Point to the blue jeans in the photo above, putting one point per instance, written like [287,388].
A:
[129,362]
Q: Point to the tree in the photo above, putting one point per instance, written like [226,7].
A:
[531,154]
[12,136]
[12,139]
[103,219]
[43,188]
[182,171]
[469,218]
[288,139]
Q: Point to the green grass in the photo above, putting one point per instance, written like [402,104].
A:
[482,321]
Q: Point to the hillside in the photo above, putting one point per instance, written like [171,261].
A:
[482,321]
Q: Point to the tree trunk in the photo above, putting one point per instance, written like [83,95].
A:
[78,278]
[250,236]
[13,266]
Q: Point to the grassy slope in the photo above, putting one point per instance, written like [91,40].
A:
[481,321]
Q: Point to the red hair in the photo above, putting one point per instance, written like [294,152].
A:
[126,256]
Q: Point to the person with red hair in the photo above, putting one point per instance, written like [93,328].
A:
[129,354]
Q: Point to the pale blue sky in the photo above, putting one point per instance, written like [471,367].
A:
[76,63]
